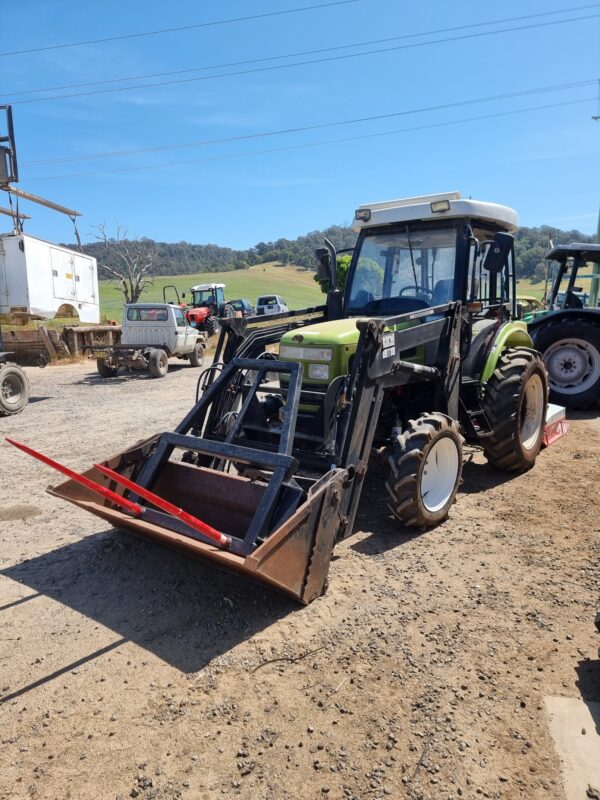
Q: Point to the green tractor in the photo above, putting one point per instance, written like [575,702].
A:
[434,278]
[421,352]
[567,333]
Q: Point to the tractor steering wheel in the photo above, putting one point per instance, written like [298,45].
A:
[417,290]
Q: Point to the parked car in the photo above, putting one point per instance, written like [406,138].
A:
[243,306]
[271,304]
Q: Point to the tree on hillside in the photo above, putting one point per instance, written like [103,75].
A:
[130,261]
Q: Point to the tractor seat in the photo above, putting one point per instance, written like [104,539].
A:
[572,301]
[442,292]
[483,330]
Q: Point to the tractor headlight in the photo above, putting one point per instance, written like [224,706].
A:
[318,372]
[305,353]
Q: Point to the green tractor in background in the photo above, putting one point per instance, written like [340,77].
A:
[567,332]
[428,324]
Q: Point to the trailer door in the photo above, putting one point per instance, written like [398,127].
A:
[83,270]
[63,279]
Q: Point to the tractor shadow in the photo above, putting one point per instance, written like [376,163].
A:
[183,611]
[385,532]
[373,517]
[482,477]
[588,683]
[591,413]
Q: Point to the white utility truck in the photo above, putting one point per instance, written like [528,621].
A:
[41,280]
[151,334]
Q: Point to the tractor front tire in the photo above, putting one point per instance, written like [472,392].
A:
[104,368]
[158,363]
[424,470]
[14,389]
[571,352]
[197,356]
[515,402]
[212,326]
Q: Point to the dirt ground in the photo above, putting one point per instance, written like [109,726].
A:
[127,670]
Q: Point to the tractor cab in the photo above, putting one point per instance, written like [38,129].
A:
[413,255]
[571,259]
[423,252]
[209,295]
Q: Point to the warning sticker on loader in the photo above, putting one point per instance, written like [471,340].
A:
[389,348]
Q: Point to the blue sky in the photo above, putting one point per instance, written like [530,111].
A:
[544,163]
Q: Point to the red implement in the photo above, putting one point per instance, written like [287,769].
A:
[115,498]
[202,527]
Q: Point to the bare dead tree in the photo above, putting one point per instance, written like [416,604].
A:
[131,260]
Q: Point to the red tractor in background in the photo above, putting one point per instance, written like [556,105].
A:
[207,306]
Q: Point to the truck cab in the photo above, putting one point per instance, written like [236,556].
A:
[158,324]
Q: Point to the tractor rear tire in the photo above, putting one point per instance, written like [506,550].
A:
[158,363]
[14,389]
[571,352]
[197,356]
[515,402]
[105,369]
[424,470]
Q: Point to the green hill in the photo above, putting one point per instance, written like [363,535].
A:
[294,284]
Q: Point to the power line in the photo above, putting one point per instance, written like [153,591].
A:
[180,28]
[304,63]
[314,144]
[304,128]
[300,53]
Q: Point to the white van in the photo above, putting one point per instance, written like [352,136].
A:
[271,304]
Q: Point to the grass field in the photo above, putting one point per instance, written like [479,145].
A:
[295,285]
[536,288]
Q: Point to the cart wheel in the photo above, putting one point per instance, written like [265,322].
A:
[14,389]
[158,363]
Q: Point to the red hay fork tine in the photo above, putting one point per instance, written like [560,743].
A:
[202,527]
[115,498]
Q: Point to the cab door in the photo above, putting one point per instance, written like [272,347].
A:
[183,333]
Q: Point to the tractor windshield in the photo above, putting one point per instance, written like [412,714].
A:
[402,270]
[208,297]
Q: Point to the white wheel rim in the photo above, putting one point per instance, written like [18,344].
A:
[440,473]
[573,365]
[532,412]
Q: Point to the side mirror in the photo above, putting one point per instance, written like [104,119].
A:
[323,264]
[497,254]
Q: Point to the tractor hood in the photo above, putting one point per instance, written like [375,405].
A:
[336,332]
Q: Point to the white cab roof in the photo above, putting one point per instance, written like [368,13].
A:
[416,209]
[204,287]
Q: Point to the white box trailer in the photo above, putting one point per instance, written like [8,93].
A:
[39,279]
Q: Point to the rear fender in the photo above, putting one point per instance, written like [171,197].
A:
[511,334]
[591,315]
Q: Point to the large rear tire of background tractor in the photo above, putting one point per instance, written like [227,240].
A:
[104,368]
[14,389]
[197,356]
[158,363]
[425,468]
[571,351]
[515,403]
